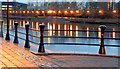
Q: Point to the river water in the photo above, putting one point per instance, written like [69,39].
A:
[60,23]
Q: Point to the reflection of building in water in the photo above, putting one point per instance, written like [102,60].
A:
[113,33]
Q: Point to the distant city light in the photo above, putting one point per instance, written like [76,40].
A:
[20,11]
[13,11]
[54,12]
[71,12]
[59,12]
[10,11]
[43,12]
[16,11]
[114,11]
[28,11]
[32,11]
[88,11]
[24,12]
[37,12]
[65,11]
[77,11]
[100,11]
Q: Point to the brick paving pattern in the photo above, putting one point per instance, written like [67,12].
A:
[12,54]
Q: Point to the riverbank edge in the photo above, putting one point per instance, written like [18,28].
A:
[73,20]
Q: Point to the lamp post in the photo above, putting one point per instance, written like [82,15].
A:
[7,35]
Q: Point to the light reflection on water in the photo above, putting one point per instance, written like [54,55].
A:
[72,26]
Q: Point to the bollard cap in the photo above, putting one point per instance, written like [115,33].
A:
[42,25]
[16,23]
[103,27]
[27,25]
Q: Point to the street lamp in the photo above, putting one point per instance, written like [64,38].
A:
[71,12]
[7,35]
[77,11]
[88,11]
[114,11]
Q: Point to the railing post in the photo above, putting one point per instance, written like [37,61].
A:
[41,46]
[1,33]
[27,45]
[102,49]
[7,35]
[16,37]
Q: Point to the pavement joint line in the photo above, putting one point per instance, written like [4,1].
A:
[75,54]
[27,55]
[41,59]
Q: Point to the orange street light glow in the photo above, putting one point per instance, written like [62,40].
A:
[65,12]
[37,12]
[114,11]
[16,11]
[71,12]
[77,11]
[10,11]
[23,11]
[59,12]
[20,11]
[50,11]
[13,11]
[28,11]
[54,12]
[43,12]
[100,11]
[88,11]
[32,11]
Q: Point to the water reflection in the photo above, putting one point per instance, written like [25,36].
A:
[37,25]
[76,31]
[65,28]
[87,31]
[113,33]
[70,26]
[53,29]
[58,29]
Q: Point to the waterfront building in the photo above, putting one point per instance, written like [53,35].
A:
[14,6]
[55,4]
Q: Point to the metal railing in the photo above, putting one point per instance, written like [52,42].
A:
[41,43]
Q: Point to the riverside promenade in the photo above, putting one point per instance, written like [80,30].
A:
[11,55]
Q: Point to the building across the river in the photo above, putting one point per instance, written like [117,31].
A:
[55,4]
[14,6]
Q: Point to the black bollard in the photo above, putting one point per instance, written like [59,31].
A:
[41,46]
[16,37]
[102,49]
[1,33]
[27,45]
[7,35]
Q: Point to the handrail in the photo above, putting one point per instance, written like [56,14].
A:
[66,29]
[41,44]
[65,36]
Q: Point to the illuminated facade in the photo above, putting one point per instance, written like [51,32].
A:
[55,4]
[13,6]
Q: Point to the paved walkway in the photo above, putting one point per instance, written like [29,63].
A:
[8,58]
[14,56]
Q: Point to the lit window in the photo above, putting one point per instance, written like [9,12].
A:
[34,4]
[4,5]
[10,5]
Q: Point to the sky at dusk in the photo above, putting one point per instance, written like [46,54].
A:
[26,1]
